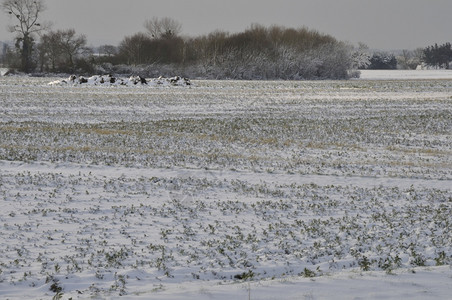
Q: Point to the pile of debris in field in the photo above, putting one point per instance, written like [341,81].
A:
[109,80]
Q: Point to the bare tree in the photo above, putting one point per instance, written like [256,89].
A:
[61,48]
[135,49]
[25,14]
[108,50]
[72,45]
[163,28]
[405,60]
[207,50]
[50,51]
[418,56]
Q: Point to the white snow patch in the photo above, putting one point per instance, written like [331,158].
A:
[416,284]
[404,74]
[4,71]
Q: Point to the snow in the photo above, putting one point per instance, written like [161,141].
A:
[228,189]
[420,283]
[4,71]
[404,74]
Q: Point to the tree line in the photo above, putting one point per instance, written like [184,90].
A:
[258,52]
[438,56]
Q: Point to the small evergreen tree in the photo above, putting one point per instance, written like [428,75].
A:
[438,56]
[383,61]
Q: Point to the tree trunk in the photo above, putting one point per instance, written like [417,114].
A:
[27,45]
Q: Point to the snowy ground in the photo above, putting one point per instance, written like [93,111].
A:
[226,189]
[3,71]
[405,74]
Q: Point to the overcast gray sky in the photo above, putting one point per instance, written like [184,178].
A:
[381,24]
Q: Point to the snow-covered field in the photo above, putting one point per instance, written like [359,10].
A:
[226,190]
[405,74]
